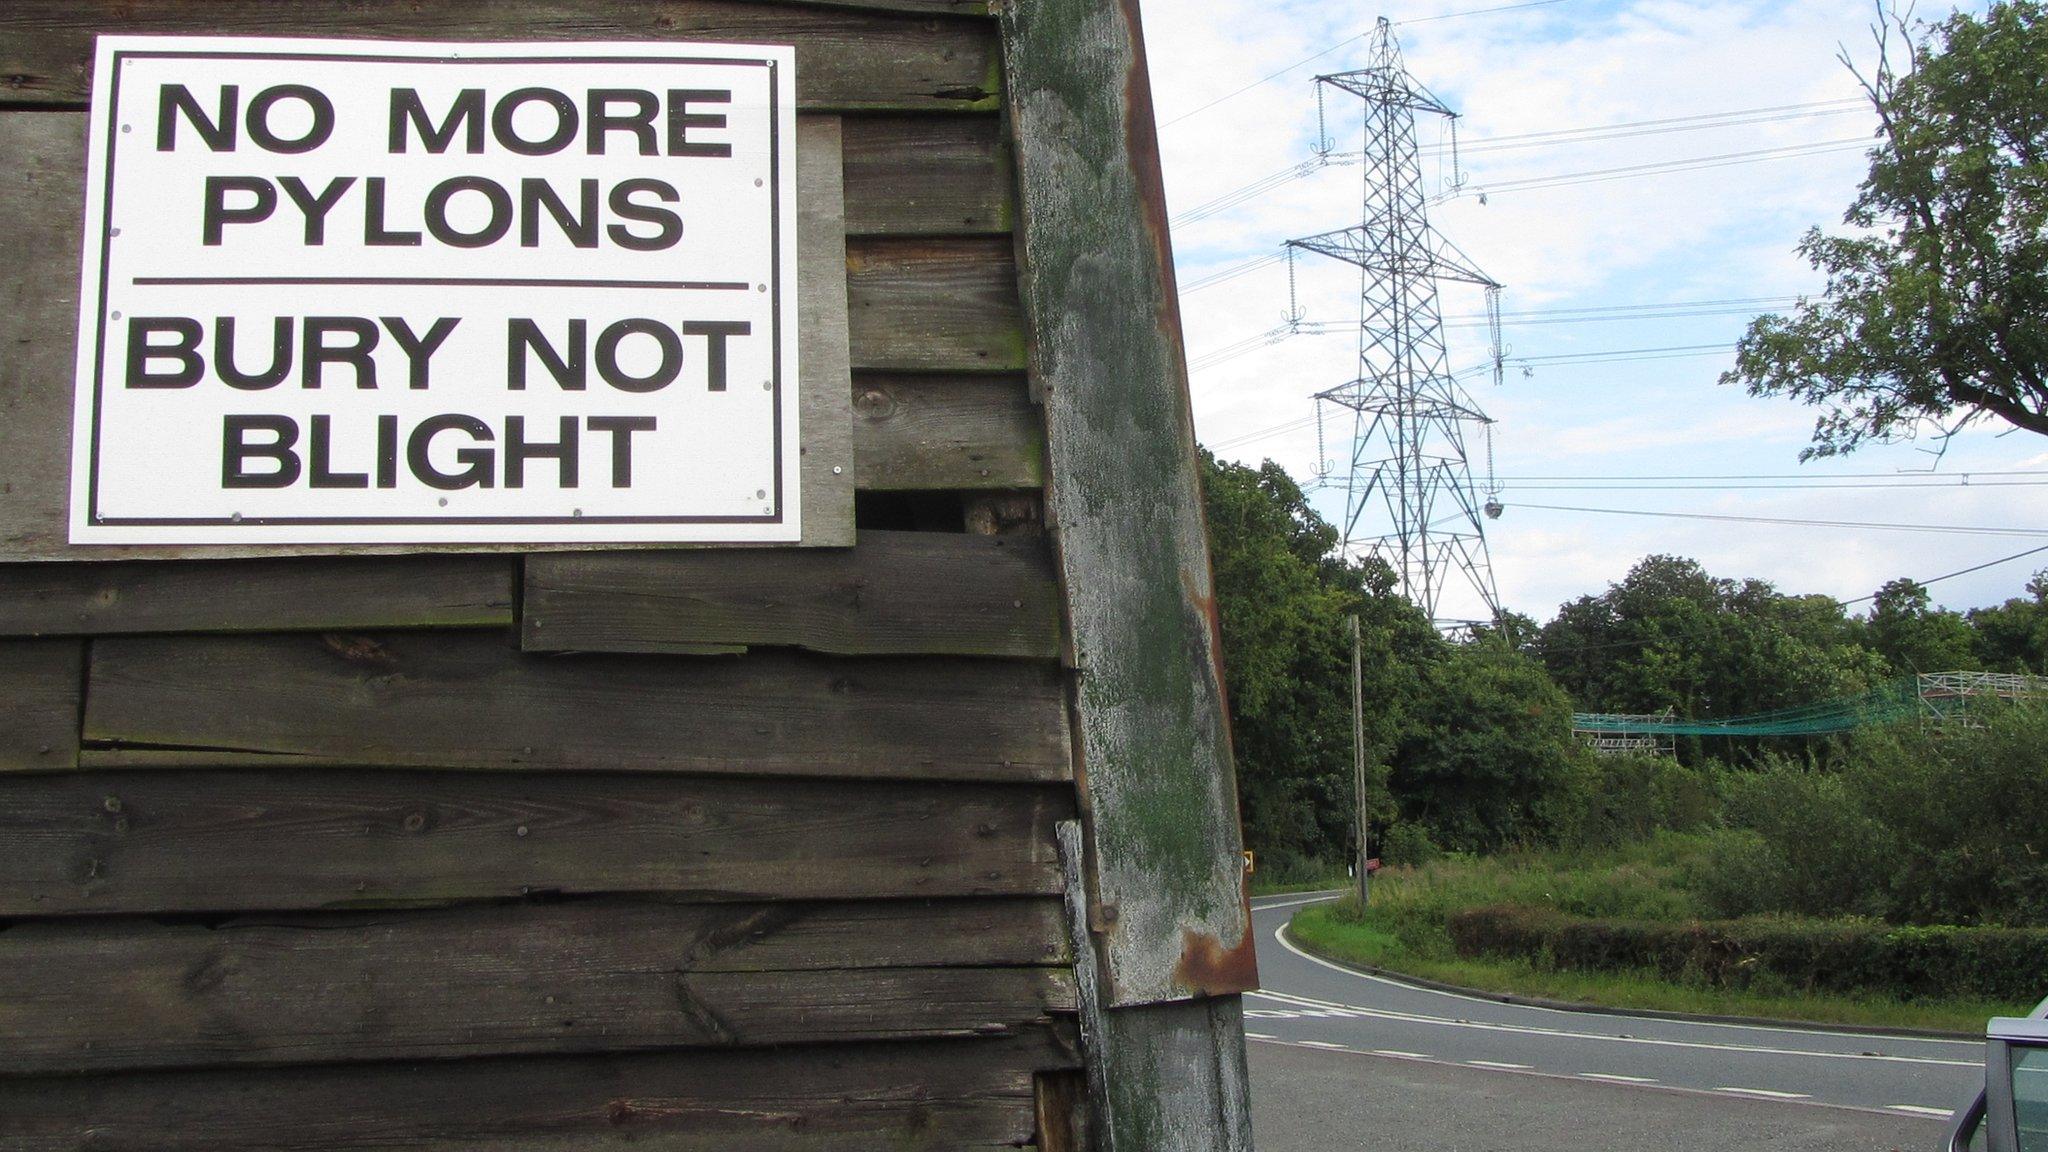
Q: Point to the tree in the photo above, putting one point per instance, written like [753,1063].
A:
[1490,738]
[1936,308]
[1914,636]
[2013,636]
[1672,636]
[1283,592]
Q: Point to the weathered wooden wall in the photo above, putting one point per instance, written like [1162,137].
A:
[710,849]
[676,849]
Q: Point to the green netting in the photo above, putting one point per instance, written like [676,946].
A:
[1883,705]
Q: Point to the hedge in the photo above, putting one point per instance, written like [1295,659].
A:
[1771,954]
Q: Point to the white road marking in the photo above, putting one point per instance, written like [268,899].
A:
[1316,898]
[1766,1093]
[1917,1110]
[1323,1044]
[1280,934]
[1648,1087]
[1260,1036]
[1618,1078]
[1498,1064]
[1310,1004]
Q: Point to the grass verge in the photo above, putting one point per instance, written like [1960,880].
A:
[1404,932]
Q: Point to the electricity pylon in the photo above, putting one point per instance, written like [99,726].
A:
[1410,417]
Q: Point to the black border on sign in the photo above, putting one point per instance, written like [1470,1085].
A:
[93,517]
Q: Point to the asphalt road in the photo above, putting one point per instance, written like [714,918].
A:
[1569,1079]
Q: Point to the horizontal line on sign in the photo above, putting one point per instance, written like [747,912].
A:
[442,282]
[352,521]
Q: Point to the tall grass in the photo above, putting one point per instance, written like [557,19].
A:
[1404,931]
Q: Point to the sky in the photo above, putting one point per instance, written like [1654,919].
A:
[1575,426]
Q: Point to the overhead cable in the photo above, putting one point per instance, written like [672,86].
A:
[1864,525]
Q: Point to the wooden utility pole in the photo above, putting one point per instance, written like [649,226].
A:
[1358,760]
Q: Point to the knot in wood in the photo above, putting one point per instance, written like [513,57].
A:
[876,403]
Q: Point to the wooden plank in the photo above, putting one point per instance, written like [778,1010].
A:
[607,976]
[40,191]
[928,175]
[1123,501]
[945,1094]
[1167,1075]
[935,7]
[923,305]
[469,700]
[946,432]
[40,681]
[256,595]
[211,841]
[374,1017]
[846,59]
[893,593]
[822,358]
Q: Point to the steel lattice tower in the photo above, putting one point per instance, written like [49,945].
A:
[1410,417]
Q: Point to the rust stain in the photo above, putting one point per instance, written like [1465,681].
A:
[1209,969]
[1212,615]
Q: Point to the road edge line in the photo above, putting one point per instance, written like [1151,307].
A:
[1520,1001]
[1675,1089]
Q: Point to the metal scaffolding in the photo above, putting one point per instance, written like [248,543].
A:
[1409,494]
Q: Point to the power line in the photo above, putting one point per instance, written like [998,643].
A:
[1267,79]
[1788,475]
[1868,525]
[1270,77]
[1233,272]
[1668,305]
[1618,130]
[1477,12]
[1958,572]
[1665,167]
[1699,121]
[1643,642]
[1779,486]
[1626,313]
[1627,355]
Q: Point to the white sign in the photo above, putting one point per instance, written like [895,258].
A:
[378,292]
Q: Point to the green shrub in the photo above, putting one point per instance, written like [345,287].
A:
[1967,807]
[1407,845]
[1770,955]
[1933,824]
[1613,800]
[1827,855]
